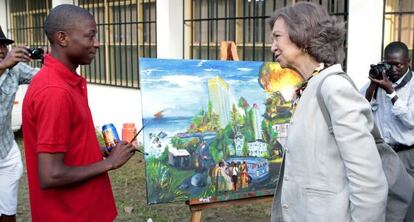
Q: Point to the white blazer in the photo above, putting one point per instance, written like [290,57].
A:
[326,178]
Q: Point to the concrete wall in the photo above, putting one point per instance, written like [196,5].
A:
[59,2]
[364,38]
[114,105]
[3,21]
[170,29]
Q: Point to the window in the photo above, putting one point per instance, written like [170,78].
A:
[399,23]
[26,23]
[126,31]
[208,22]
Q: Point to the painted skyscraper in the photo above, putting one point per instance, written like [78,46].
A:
[257,122]
[218,92]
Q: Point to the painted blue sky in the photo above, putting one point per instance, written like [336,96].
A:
[180,86]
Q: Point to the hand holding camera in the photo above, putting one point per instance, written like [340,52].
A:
[377,71]
[36,53]
[379,75]
[20,54]
[14,56]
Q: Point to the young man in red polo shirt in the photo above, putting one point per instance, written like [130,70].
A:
[67,174]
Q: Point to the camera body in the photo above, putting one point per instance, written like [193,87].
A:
[376,71]
[35,53]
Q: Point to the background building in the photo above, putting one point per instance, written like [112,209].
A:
[193,29]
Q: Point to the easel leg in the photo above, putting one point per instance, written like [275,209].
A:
[195,216]
[196,208]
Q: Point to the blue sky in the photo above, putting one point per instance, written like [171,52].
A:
[180,86]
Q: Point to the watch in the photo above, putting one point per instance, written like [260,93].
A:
[391,95]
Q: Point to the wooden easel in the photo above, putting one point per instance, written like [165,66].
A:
[228,51]
[196,207]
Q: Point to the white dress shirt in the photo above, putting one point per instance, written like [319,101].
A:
[395,122]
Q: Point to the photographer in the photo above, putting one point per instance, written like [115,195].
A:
[391,94]
[13,72]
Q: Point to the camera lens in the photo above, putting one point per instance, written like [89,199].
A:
[376,70]
[36,53]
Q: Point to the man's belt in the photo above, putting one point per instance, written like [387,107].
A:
[401,147]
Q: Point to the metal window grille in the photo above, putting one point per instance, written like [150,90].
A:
[25,21]
[398,24]
[208,22]
[126,31]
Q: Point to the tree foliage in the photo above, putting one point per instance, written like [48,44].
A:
[205,121]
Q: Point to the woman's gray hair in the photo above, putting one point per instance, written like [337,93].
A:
[311,28]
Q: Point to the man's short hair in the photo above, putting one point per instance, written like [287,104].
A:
[397,47]
[63,17]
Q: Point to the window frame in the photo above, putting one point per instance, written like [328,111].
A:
[258,45]
[398,17]
[122,41]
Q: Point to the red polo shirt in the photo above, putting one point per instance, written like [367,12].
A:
[57,119]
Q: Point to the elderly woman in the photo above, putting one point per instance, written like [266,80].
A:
[326,177]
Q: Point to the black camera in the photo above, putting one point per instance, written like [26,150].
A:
[376,70]
[35,53]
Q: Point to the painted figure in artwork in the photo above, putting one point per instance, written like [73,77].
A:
[244,176]
[220,181]
[234,173]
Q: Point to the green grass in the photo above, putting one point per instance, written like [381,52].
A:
[128,184]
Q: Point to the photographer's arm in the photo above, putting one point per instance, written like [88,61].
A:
[402,108]
[385,84]
[1,71]
[25,72]
[370,91]
[14,56]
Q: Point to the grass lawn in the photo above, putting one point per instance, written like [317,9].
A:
[128,184]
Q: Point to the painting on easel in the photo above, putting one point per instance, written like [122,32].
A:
[214,130]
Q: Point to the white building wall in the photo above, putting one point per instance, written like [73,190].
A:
[364,38]
[59,2]
[3,21]
[115,105]
[170,29]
